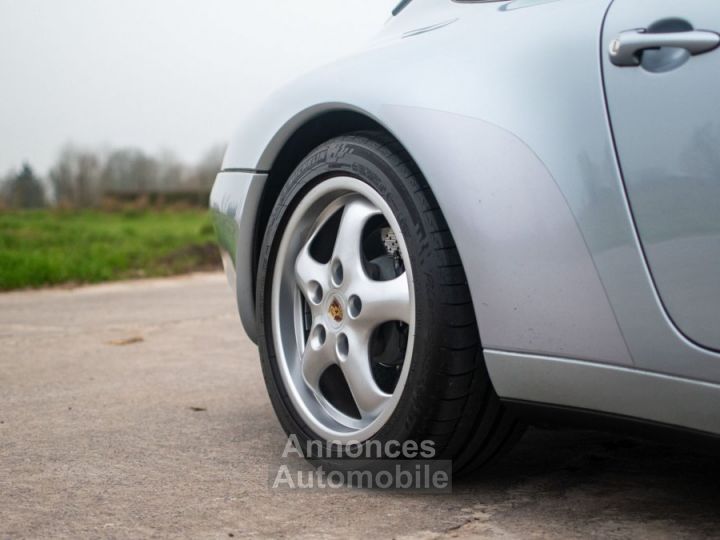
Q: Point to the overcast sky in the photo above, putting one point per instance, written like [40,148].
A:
[156,74]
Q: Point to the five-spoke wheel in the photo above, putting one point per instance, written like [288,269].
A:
[343,306]
[366,325]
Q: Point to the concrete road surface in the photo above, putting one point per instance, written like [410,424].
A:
[138,410]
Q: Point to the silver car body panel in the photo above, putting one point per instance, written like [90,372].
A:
[673,176]
[611,389]
[516,145]
[234,200]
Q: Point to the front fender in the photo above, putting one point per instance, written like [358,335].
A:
[515,168]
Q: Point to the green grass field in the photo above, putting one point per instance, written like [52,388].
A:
[49,247]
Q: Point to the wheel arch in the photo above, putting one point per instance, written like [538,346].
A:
[501,202]
[510,188]
[291,144]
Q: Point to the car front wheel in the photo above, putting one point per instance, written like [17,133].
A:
[366,325]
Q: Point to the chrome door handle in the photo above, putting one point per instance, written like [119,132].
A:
[627,48]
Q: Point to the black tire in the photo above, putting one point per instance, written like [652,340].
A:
[448,397]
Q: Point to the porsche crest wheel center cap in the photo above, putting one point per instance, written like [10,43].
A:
[335,311]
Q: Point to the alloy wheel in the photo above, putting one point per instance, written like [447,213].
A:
[343,310]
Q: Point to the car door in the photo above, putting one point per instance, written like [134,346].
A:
[661,66]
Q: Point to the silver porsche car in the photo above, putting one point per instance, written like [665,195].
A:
[494,208]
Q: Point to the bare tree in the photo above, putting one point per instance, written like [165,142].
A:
[82,177]
[129,169]
[204,173]
[5,189]
[171,173]
[76,177]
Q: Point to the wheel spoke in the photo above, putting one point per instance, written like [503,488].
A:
[315,360]
[309,271]
[384,301]
[348,240]
[358,374]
